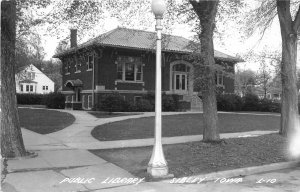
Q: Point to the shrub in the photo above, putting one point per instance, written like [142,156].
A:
[113,103]
[184,106]
[143,105]
[267,105]
[168,103]
[251,102]
[30,99]
[229,102]
[54,101]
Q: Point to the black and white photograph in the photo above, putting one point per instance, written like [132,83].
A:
[150,95]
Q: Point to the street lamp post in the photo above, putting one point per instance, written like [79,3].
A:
[157,166]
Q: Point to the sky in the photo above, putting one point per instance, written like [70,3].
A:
[232,44]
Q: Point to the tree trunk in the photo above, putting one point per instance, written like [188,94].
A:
[289,101]
[206,11]
[11,137]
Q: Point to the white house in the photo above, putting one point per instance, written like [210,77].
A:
[30,79]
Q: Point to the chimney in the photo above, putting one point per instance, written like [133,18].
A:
[73,37]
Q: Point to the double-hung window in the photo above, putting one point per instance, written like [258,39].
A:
[90,62]
[220,78]
[67,67]
[129,68]
[77,65]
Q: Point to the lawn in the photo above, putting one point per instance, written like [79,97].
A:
[194,158]
[185,124]
[44,121]
[102,114]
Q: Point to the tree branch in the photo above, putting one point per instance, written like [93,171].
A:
[296,22]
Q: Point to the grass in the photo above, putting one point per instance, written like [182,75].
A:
[102,114]
[185,124]
[199,158]
[44,121]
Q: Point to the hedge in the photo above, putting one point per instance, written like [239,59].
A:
[114,102]
[55,101]
[250,102]
[30,99]
[51,100]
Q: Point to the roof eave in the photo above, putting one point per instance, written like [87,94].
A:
[73,50]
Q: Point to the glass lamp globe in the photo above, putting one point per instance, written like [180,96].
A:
[158,8]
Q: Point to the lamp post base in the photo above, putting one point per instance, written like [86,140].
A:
[158,172]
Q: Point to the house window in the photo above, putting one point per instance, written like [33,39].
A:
[139,72]
[21,88]
[77,65]
[43,87]
[31,75]
[220,78]
[129,68]
[27,88]
[129,72]
[31,88]
[46,87]
[119,71]
[90,62]
[67,67]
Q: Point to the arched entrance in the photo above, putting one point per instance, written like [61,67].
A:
[181,77]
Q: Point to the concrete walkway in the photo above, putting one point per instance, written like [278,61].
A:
[78,135]
[64,165]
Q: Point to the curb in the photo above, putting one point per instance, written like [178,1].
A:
[239,172]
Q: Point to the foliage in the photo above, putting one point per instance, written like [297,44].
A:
[168,103]
[244,82]
[250,102]
[30,99]
[113,103]
[229,102]
[55,101]
[142,105]
[267,105]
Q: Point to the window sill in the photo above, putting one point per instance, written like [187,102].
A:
[77,71]
[67,73]
[121,81]
[89,70]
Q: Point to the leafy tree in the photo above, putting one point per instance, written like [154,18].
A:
[11,137]
[244,82]
[288,13]
[263,78]
[206,12]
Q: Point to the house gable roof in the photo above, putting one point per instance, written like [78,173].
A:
[144,40]
[30,68]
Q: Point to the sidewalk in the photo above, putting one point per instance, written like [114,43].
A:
[78,135]
[63,155]
[54,163]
